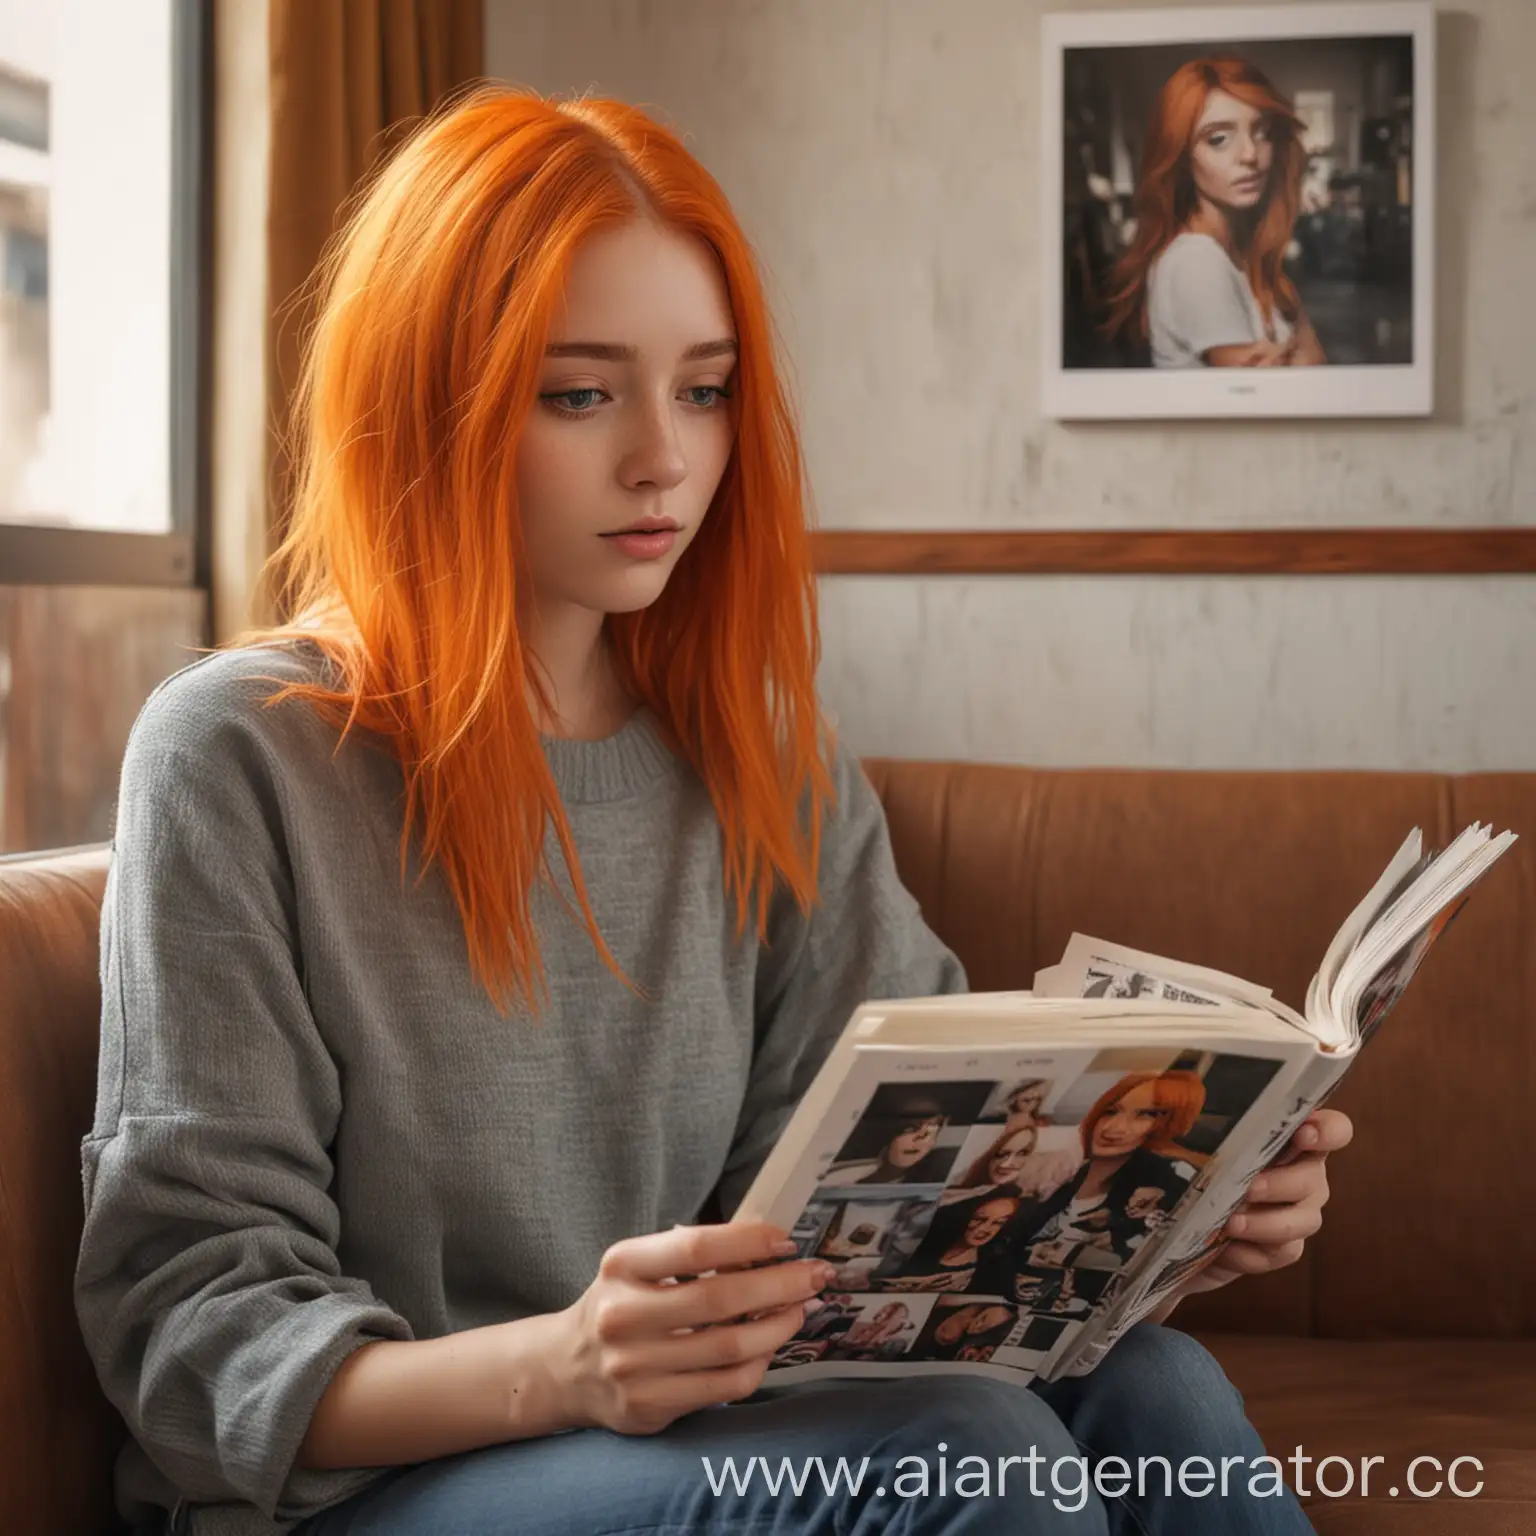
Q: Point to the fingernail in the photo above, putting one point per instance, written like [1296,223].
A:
[1308,1136]
[786,1246]
[1237,1226]
[822,1275]
[1259,1187]
[813,1304]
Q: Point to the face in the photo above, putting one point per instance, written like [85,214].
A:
[1025,1104]
[986,1318]
[1127,1123]
[1232,153]
[987,1222]
[954,1326]
[1007,1161]
[912,1145]
[1143,1202]
[633,426]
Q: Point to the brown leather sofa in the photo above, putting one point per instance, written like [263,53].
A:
[1409,1329]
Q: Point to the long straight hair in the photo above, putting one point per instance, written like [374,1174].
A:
[1166,196]
[979,1172]
[403,556]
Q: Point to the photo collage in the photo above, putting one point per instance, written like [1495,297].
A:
[976,1220]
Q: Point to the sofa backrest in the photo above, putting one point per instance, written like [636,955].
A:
[1429,1230]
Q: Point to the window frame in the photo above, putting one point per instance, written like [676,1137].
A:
[33,555]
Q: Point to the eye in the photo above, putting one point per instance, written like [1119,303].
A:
[1216,140]
[581,401]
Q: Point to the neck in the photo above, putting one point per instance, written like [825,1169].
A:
[1212,219]
[570,647]
[1100,1171]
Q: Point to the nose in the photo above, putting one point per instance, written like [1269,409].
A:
[655,456]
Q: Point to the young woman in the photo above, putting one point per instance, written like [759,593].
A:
[1000,1163]
[1204,279]
[1022,1105]
[1013,1163]
[986,1327]
[994,1325]
[1045,1168]
[1130,1152]
[906,1151]
[470,940]
[955,1244]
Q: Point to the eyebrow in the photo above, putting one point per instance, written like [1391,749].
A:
[614,352]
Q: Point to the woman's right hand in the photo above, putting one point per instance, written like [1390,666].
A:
[647,1343]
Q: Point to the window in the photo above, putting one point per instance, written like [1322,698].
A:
[103,247]
[1315,109]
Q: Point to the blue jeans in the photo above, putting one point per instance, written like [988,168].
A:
[1158,1393]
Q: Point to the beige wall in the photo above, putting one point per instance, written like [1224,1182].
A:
[882,155]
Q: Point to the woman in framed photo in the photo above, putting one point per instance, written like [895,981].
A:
[1204,281]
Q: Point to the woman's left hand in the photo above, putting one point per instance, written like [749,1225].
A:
[1283,1209]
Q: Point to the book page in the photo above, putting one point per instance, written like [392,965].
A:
[1197,1240]
[1091,967]
[1377,969]
[1099,968]
[1402,869]
[982,1205]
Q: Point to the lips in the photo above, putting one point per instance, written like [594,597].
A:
[643,543]
[645,525]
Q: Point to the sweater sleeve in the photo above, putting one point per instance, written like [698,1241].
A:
[864,938]
[207,1285]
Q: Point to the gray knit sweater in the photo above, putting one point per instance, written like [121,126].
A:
[312,1127]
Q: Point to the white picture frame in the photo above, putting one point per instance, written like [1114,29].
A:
[1078,383]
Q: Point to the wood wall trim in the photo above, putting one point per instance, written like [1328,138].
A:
[1266,551]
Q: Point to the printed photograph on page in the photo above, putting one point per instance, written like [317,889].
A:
[1059,1178]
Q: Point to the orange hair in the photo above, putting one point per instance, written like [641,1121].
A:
[980,1206]
[1165,192]
[977,1173]
[1180,1094]
[403,557]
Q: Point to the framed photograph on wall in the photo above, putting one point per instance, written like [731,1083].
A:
[1238,211]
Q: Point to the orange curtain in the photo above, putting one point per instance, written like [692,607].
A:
[348,78]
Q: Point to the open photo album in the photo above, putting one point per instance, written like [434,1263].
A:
[1008,1181]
